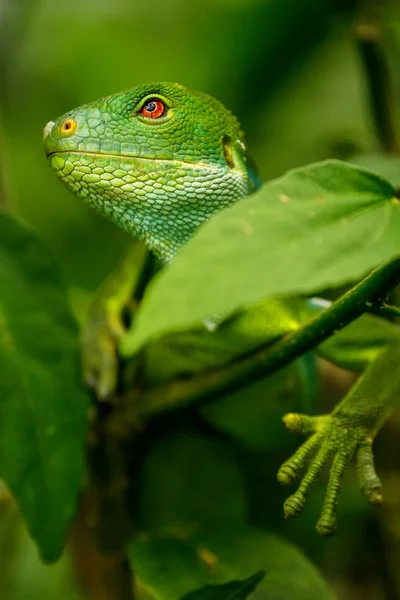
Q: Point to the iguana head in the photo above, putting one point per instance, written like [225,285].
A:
[157,160]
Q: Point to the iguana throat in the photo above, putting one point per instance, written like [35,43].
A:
[157,160]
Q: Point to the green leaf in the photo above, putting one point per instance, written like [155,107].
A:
[170,566]
[316,227]
[235,590]
[42,406]
[181,354]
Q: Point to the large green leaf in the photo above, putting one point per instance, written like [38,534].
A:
[315,227]
[182,353]
[168,567]
[235,590]
[42,406]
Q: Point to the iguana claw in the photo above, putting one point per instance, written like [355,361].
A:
[347,432]
[105,326]
[99,354]
[334,438]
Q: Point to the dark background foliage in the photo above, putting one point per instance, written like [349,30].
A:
[293,73]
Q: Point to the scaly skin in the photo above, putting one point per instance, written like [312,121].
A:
[159,179]
[349,431]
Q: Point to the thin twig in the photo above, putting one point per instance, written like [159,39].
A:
[385,310]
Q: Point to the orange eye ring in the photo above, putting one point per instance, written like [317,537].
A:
[68,127]
[153,108]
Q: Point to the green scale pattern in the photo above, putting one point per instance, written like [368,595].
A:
[158,179]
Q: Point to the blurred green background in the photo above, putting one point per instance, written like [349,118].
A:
[292,73]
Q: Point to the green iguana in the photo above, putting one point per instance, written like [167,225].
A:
[158,160]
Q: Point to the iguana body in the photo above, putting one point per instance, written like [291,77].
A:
[159,160]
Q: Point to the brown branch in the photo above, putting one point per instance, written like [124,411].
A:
[103,525]
[99,576]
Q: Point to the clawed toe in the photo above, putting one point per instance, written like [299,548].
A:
[331,438]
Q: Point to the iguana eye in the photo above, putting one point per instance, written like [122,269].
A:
[153,108]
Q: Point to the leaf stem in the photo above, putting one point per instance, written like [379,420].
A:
[385,310]
[266,360]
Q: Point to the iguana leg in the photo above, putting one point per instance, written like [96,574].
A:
[346,433]
[105,326]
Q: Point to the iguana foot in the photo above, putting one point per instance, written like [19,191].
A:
[105,326]
[333,438]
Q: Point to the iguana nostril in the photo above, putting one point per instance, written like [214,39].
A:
[47,128]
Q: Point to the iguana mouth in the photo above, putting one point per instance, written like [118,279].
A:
[133,156]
